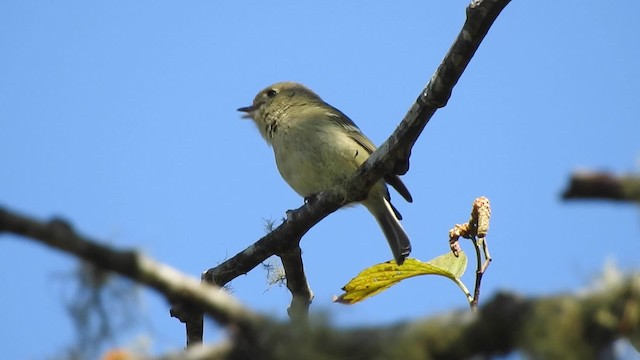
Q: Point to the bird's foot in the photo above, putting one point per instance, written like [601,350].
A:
[310,199]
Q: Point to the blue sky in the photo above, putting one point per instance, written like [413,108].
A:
[121,117]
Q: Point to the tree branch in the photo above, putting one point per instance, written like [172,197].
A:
[297,285]
[603,185]
[561,326]
[393,155]
[169,282]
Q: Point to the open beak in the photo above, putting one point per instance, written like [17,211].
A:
[248,110]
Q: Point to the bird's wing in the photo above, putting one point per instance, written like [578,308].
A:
[354,132]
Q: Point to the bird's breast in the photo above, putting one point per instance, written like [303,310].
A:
[313,158]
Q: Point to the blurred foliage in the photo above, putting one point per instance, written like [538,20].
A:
[101,305]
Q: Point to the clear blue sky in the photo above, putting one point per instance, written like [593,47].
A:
[121,117]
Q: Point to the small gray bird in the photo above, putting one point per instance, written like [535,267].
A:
[317,147]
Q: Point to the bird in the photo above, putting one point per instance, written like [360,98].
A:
[317,147]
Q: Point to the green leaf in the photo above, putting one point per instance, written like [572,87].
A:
[380,277]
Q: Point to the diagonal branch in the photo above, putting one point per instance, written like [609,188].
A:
[393,155]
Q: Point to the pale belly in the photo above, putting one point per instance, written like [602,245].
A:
[316,165]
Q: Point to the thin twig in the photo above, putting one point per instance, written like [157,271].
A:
[479,223]
[481,267]
[476,230]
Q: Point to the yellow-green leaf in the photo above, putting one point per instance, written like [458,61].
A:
[452,267]
[380,277]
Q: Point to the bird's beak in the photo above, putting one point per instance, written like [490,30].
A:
[248,110]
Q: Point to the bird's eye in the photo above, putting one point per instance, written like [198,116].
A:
[271,93]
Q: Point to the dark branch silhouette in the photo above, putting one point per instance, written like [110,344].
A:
[603,186]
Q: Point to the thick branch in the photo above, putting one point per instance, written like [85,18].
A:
[554,327]
[166,280]
[589,322]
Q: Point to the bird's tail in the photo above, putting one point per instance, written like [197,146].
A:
[391,227]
